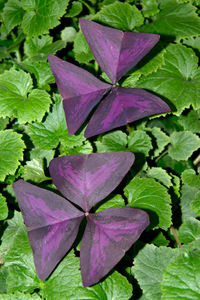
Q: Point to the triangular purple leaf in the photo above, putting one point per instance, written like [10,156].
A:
[86,180]
[52,224]
[116,51]
[79,87]
[124,105]
[108,235]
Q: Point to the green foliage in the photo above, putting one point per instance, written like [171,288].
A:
[151,261]
[164,179]
[120,15]
[9,159]
[151,196]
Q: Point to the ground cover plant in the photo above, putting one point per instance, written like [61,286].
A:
[164,180]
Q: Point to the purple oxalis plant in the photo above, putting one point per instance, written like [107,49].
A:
[116,52]
[53,222]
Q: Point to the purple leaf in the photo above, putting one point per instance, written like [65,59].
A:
[52,224]
[108,235]
[124,105]
[116,51]
[87,179]
[80,90]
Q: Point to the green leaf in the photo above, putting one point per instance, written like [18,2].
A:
[33,170]
[195,204]
[112,142]
[178,166]
[68,34]
[176,20]
[160,240]
[11,152]
[42,15]
[187,195]
[82,51]
[183,144]
[150,195]
[3,276]
[112,201]
[131,80]
[148,268]
[3,123]
[189,230]
[153,61]
[19,100]
[38,153]
[19,258]
[42,72]
[75,9]
[193,42]
[161,175]
[42,46]
[162,140]
[48,134]
[120,15]
[181,276]
[114,287]
[68,145]
[178,79]
[3,208]
[12,14]
[149,8]
[139,141]
[191,122]
[20,296]
[63,280]
[190,178]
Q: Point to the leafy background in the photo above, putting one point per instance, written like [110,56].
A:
[164,180]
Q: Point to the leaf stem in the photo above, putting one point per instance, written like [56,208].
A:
[197,160]
[91,10]
[175,236]
[19,59]
[161,155]
[128,128]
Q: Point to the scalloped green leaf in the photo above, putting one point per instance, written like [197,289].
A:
[111,201]
[162,140]
[189,230]
[11,152]
[148,268]
[191,121]
[3,208]
[149,8]
[178,79]
[195,204]
[41,46]
[176,20]
[19,100]
[34,171]
[193,42]
[183,144]
[75,9]
[112,142]
[181,278]
[190,178]
[139,141]
[114,287]
[150,195]
[161,175]
[53,130]
[187,195]
[42,15]
[81,49]
[120,15]
[12,14]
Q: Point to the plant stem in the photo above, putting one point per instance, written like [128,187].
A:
[175,236]
[197,160]
[128,128]
[161,155]
[19,59]
[91,10]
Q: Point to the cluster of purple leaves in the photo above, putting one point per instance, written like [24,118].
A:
[116,52]
[53,222]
